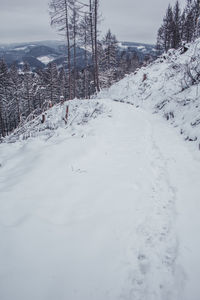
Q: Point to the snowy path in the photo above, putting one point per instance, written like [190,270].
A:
[112,215]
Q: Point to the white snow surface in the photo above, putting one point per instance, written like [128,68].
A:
[46,59]
[107,205]
[20,48]
[141,48]
[121,45]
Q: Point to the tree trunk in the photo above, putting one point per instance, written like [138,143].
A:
[74,34]
[86,62]
[18,109]
[2,127]
[68,49]
[96,46]
[92,42]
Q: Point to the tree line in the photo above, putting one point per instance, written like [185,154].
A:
[179,26]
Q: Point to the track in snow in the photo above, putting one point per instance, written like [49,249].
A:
[100,217]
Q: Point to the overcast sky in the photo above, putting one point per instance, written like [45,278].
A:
[130,20]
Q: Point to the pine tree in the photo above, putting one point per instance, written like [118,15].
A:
[188,25]
[108,52]
[5,97]
[160,45]
[3,70]
[51,84]
[63,87]
[168,27]
[196,19]
[16,94]
[165,33]
[27,86]
[85,42]
[110,44]
[176,42]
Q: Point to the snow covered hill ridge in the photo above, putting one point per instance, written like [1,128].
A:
[168,86]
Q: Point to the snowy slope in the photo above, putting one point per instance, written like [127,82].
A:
[80,113]
[165,87]
[104,208]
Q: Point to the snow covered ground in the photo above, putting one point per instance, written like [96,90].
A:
[46,59]
[170,87]
[106,208]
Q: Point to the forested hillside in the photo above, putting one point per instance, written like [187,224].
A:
[179,26]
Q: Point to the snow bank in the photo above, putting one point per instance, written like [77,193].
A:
[80,113]
[169,86]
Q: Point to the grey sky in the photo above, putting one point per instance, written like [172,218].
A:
[130,20]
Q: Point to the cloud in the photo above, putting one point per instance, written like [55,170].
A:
[25,20]
[28,20]
[134,20]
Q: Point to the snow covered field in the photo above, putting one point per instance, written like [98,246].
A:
[104,211]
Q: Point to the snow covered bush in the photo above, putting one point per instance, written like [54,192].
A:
[80,113]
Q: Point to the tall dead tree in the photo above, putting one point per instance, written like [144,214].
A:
[92,38]
[74,20]
[84,40]
[59,12]
[96,4]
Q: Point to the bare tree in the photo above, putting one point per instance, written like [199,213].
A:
[84,39]
[92,37]
[59,12]
[74,26]
[96,4]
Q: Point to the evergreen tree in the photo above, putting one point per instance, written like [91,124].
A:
[196,19]
[179,27]
[5,92]
[27,85]
[110,44]
[188,25]
[16,83]
[63,87]
[176,26]
[85,42]
[166,31]
[108,52]
[51,84]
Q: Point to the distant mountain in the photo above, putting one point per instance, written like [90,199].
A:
[39,54]
[142,50]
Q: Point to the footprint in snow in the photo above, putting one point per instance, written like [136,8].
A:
[144,264]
